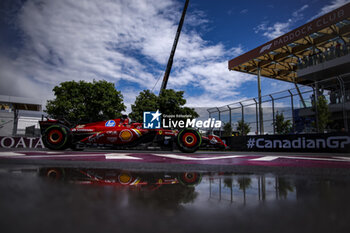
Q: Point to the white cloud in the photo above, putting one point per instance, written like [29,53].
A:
[244,11]
[280,28]
[214,78]
[332,6]
[297,15]
[277,29]
[272,31]
[114,40]
[207,101]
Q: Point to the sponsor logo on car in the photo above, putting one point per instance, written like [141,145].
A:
[125,135]
[110,123]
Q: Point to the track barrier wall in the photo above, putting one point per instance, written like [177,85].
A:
[328,142]
[8,142]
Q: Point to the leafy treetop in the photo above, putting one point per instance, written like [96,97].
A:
[282,126]
[170,102]
[85,102]
[243,127]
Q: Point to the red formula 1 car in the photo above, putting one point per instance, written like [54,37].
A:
[120,134]
[122,178]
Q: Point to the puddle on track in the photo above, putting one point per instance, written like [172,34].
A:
[104,200]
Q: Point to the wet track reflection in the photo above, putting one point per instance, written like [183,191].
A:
[59,199]
[233,188]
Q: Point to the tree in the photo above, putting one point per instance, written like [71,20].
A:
[282,126]
[243,127]
[244,183]
[170,102]
[85,102]
[228,182]
[284,186]
[227,130]
[145,101]
[323,113]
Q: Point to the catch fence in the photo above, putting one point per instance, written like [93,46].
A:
[298,105]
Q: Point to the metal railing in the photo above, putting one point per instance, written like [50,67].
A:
[296,105]
[327,55]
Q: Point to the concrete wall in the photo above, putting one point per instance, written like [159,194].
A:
[6,123]
[24,122]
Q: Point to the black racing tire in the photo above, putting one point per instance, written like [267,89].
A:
[189,178]
[54,173]
[57,137]
[188,140]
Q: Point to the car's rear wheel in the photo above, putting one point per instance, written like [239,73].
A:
[189,140]
[55,173]
[57,137]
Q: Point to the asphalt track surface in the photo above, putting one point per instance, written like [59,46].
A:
[238,192]
[203,161]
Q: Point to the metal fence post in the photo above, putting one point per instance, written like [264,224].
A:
[256,114]
[242,106]
[230,117]
[210,129]
[293,115]
[242,119]
[261,115]
[273,114]
[315,98]
[15,122]
[219,120]
[342,91]
[300,95]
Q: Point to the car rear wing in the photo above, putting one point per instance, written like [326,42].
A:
[49,122]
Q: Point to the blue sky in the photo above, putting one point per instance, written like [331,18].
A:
[127,42]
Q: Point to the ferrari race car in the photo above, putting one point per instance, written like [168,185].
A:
[120,134]
[116,177]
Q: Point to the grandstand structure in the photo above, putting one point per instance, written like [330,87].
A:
[19,113]
[316,55]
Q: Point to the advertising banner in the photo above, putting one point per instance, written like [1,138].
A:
[21,142]
[329,142]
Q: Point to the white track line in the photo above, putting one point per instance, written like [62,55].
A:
[11,154]
[54,152]
[265,158]
[345,158]
[22,156]
[119,156]
[174,156]
[337,159]
[270,158]
[50,156]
